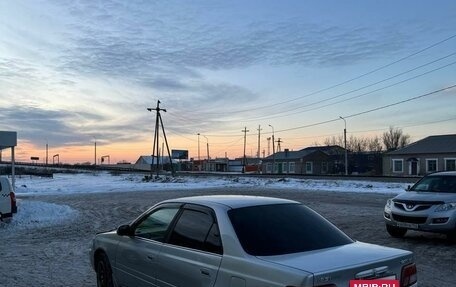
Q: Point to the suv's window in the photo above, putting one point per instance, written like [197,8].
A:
[436,184]
[155,225]
[283,228]
[197,230]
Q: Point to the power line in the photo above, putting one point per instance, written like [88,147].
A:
[347,81]
[429,123]
[361,113]
[357,96]
[287,113]
[371,110]
[365,74]
[373,130]
[406,126]
[400,102]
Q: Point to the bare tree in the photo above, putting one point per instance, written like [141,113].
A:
[357,144]
[334,141]
[394,138]
[374,144]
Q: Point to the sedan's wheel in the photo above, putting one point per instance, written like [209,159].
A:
[394,231]
[104,271]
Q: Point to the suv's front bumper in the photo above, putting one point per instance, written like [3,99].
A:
[428,220]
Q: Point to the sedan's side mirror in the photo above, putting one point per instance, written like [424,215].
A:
[125,230]
[408,188]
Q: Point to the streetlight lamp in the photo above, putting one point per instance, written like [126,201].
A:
[58,159]
[345,144]
[273,150]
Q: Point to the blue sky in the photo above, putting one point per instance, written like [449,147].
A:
[72,72]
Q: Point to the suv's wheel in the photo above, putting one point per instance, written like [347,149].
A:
[104,271]
[394,231]
[452,236]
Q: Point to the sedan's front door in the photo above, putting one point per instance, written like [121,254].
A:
[135,262]
[137,255]
[193,252]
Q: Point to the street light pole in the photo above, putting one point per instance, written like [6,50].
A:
[273,150]
[207,146]
[47,149]
[95,158]
[199,158]
[345,145]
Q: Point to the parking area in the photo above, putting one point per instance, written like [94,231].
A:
[57,255]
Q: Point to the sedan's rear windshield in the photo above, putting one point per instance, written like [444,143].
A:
[436,183]
[283,228]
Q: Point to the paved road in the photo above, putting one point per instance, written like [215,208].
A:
[57,255]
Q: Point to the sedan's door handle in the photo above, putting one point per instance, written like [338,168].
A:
[150,257]
[205,272]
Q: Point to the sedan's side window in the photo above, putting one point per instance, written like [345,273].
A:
[197,230]
[155,225]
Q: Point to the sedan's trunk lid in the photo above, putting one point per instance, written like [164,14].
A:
[338,265]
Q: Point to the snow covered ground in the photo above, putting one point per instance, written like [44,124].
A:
[37,214]
[105,182]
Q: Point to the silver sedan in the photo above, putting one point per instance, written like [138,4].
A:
[240,241]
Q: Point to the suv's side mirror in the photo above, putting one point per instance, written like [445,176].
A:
[125,230]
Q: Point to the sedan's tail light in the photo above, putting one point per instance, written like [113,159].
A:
[409,275]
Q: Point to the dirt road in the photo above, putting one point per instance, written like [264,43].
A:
[58,255]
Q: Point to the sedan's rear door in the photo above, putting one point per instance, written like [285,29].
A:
[193,251]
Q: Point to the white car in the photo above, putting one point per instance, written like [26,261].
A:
[7,200]
[429,205]
[212,241]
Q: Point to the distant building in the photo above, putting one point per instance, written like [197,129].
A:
[431,154]
[317,160]
[365,163]
[216,165]
[145,162]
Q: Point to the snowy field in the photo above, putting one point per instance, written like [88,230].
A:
[35,213]
[105,182]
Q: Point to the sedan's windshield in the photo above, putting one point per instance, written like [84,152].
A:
[284,228]
[441,183]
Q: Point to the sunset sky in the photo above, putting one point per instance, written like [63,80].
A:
[76,72]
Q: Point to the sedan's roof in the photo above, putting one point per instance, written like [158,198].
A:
[450,173]
[232,201]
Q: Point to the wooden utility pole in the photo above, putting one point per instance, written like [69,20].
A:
[245,131]
[259,138]
[279,149]
[156,146]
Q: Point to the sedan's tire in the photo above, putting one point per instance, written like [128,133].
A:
[104,271]
[396,232]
